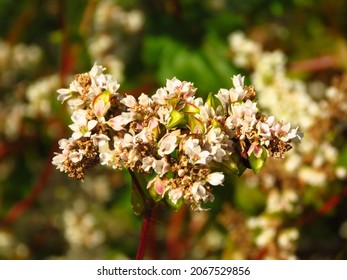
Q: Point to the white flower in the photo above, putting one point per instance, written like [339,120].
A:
[263,129]
[284,133]
[287,238]
[75,103]
[193,149]
[96,70]
[175,194]
[127,141]
[144,100]
[223,96]
[76,156]
[158,184]
[59,160]
[100,139]
[118,122]
[81,126]
[161,167]
[147,163]
[176,88]
[218,153]
[161,96]
[64,144]
[164,114]
[174,85]
[205,113]
[285,201]
[106,82]
[215,179]
[107,157]
[250,108]
[129,101]
[200,193]
[64,94]
[168,143]
[265,237]
[214,135]
[238,82]
[234,94]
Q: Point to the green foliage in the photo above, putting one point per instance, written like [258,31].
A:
[207,66]
[258,162]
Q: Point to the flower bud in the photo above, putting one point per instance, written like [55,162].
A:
[176,119]
[190,109]
[195,125]
[257,159]
[101,104]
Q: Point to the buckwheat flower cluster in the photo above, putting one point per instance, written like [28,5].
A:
[17,64]
[89,98]
[314,167]
[270,77]
[180,144]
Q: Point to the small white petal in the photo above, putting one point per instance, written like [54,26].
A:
[92,124]
[129,101]
[216,178]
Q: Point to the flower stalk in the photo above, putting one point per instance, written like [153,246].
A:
[145,209]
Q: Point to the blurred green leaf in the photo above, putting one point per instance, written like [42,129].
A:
[257,163]
[137,201]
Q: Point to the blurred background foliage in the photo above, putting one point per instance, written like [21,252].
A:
[44,215]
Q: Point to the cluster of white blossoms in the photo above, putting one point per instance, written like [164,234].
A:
[269,76]
[80,227]
[17,63]
[314,166]
[179,143]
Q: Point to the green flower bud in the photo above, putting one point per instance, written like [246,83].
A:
[177,119]
[257,161]
[190,109]
[101,104]
[195,125]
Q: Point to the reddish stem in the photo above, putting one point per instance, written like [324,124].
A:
[145,229]
[23,205]
[146,219]
[315,64]
[330,204]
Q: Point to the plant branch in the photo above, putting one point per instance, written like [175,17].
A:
[146,219]
[23,205]
[145,228]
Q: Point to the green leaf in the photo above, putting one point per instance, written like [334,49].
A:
[137,202]
[212,101]
[232,166]
[257,163]
[248,199]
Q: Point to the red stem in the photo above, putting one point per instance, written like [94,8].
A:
[145,229]
[23,205]
[146,219]
[330,204]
